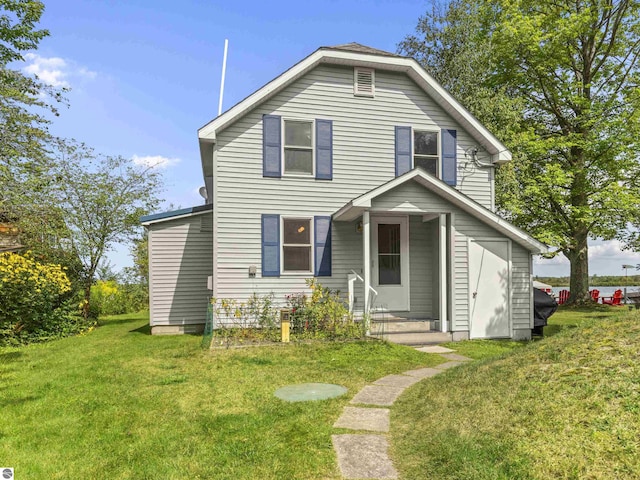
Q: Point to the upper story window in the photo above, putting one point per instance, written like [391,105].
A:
[426,151]
[296,245]
[298,147]
[434,151]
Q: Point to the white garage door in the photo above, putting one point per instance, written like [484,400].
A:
[489,288]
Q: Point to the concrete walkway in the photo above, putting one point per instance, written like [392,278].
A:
[365,455]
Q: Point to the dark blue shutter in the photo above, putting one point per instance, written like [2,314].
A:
[270,245]
[324,149]
[271,146]
[449,157]
[322,246]
[403,150]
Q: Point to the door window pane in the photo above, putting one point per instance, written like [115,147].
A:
[389,238]
[389,254]
[389,269]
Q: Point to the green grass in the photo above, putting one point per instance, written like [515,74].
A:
[118,403]
[566,406]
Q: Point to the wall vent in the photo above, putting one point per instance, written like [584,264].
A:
[364,82]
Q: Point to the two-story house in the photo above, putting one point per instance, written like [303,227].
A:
[356,167]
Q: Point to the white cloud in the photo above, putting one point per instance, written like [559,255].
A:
[55,71]
[605,258]
[559,259]
[611,250]
[155,161]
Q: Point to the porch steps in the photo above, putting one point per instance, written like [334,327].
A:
[406,331]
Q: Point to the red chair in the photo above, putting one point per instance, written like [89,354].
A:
[563,296]
[616,299]
[595,294]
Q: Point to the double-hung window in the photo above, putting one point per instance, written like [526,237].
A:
[296,245]
[426,151]
[298,147]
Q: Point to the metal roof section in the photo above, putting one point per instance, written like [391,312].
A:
[357,206]
[172,215]
[356,55]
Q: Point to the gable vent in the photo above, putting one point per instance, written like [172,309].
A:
[363,82]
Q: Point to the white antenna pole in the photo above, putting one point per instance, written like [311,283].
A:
[224,69]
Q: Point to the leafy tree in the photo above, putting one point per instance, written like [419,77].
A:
[25,103]
[102,199]
[140,254]
[569,69]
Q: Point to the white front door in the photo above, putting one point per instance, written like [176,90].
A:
[489,288]
[390,262]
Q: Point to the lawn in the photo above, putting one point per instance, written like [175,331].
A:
[118,403]
[565,406]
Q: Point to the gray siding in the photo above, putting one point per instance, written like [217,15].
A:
[521,312]
[467,227]
[363,158]
[363,149]
[180,260]
[422,254]
[412,198]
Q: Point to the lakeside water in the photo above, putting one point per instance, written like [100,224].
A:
[604,291]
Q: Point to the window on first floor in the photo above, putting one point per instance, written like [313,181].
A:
[298,147]
[426,151]
[296,245]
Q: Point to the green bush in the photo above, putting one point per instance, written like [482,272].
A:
[323,314]
[36,301]
[320,315]
[108,297]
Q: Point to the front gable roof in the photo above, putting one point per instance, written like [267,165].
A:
[356,55]
[357,206]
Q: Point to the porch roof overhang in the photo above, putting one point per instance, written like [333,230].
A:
[356,207]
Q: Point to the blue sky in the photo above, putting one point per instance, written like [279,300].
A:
[145,75]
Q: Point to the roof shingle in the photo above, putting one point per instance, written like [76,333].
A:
[359,48]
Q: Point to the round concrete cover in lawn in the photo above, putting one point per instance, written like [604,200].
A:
[304,392]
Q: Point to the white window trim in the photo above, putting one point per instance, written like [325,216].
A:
[313,147]
[311,245]
[358,93]
[430,129]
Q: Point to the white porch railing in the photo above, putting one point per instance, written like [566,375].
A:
[351,280]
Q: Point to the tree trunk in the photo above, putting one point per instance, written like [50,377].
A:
[579,279]
[87,299]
